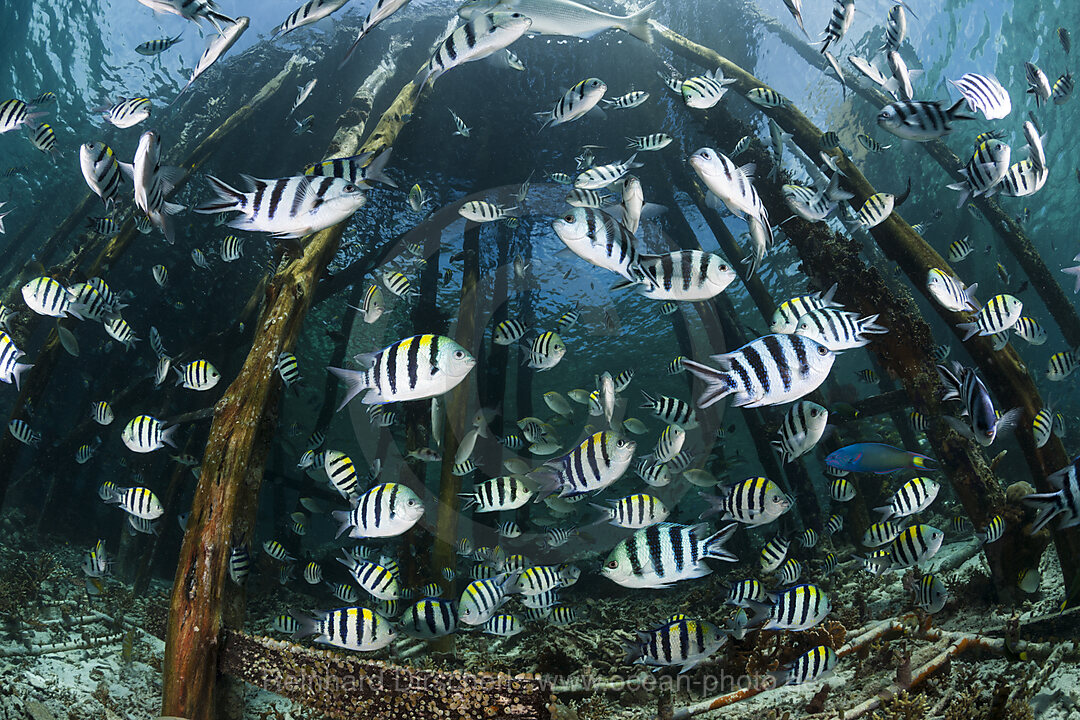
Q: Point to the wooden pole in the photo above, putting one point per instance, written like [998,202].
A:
[225,500]
[906,350]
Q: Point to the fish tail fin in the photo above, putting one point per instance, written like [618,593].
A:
[374,169]
[1049,505]
[921,461]
[971,329]
[637,24]
[957,112]
[355,382]
[345,518]
[229,198]
[469,500]
[713,546]
[306,625]
[718,384]
[352,49]
[17,371]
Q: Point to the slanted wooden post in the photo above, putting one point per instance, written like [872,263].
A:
[906,350]
[235,454]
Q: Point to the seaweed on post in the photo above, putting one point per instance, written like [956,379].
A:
[235,453]
[906,350]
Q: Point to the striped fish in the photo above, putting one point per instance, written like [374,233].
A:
[313,574]
[596,463]
[219,44]
[960,249]
[659,555]
[808,538]
[797,608]
[341,472]
[537,580]
[684,275]
[654,474]
[984,93]
[1030,330]
[802,427]
[46,296]
[127,112]
[921,121]
[288,368]
[360,170]
[1024,178]
[1038,83]
[790,571]
[635,511]
[601,176]
[930,593]
[481,211]
[1061,365]
[568,319]
[386,510]
[232,248]
[914,545]
[482,36]
[285,624]
[397,283]
[675,367]
[504,625]
[669,443]
[950,293]
[414,368]
[239,563]
[829,563]
[918,421]
[843,13]
[289,207]
[766,97]
[505,492]
[704,91]
[817,662]
[575,103]
[156,47]
[754,501]
[773,553]
[880,533]
[671,410]
[1000,313]
[1063,87]
[276,550]
[352,628]
[15,114]
[103,226]
[21,431]
[44,139]
[986,168]
[734,187]
[344,592]
[138,501]
[308,13]
[834,525]
[429,618]
[11,369]
[102,413]
[895,29]
[649,143]
[482,598]
[509,332]
[587,198]
[545,351]
[875,210]
[373,578]
[198,375]
[771,370]
[1063,503]
[787,314]
[870,143]
[993,530]
[838,330]
[913,497]
[684,643]
[145,434]
[740,594]
[153,182]
[629,100]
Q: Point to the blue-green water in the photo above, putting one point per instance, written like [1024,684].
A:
[466,284]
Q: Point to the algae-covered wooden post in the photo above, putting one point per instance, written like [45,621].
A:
[906,350]
[235,453]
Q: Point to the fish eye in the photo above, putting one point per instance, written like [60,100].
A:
[612,564]
[459,354]
[351,188]
[822,350]
[568,218]
[813,413]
